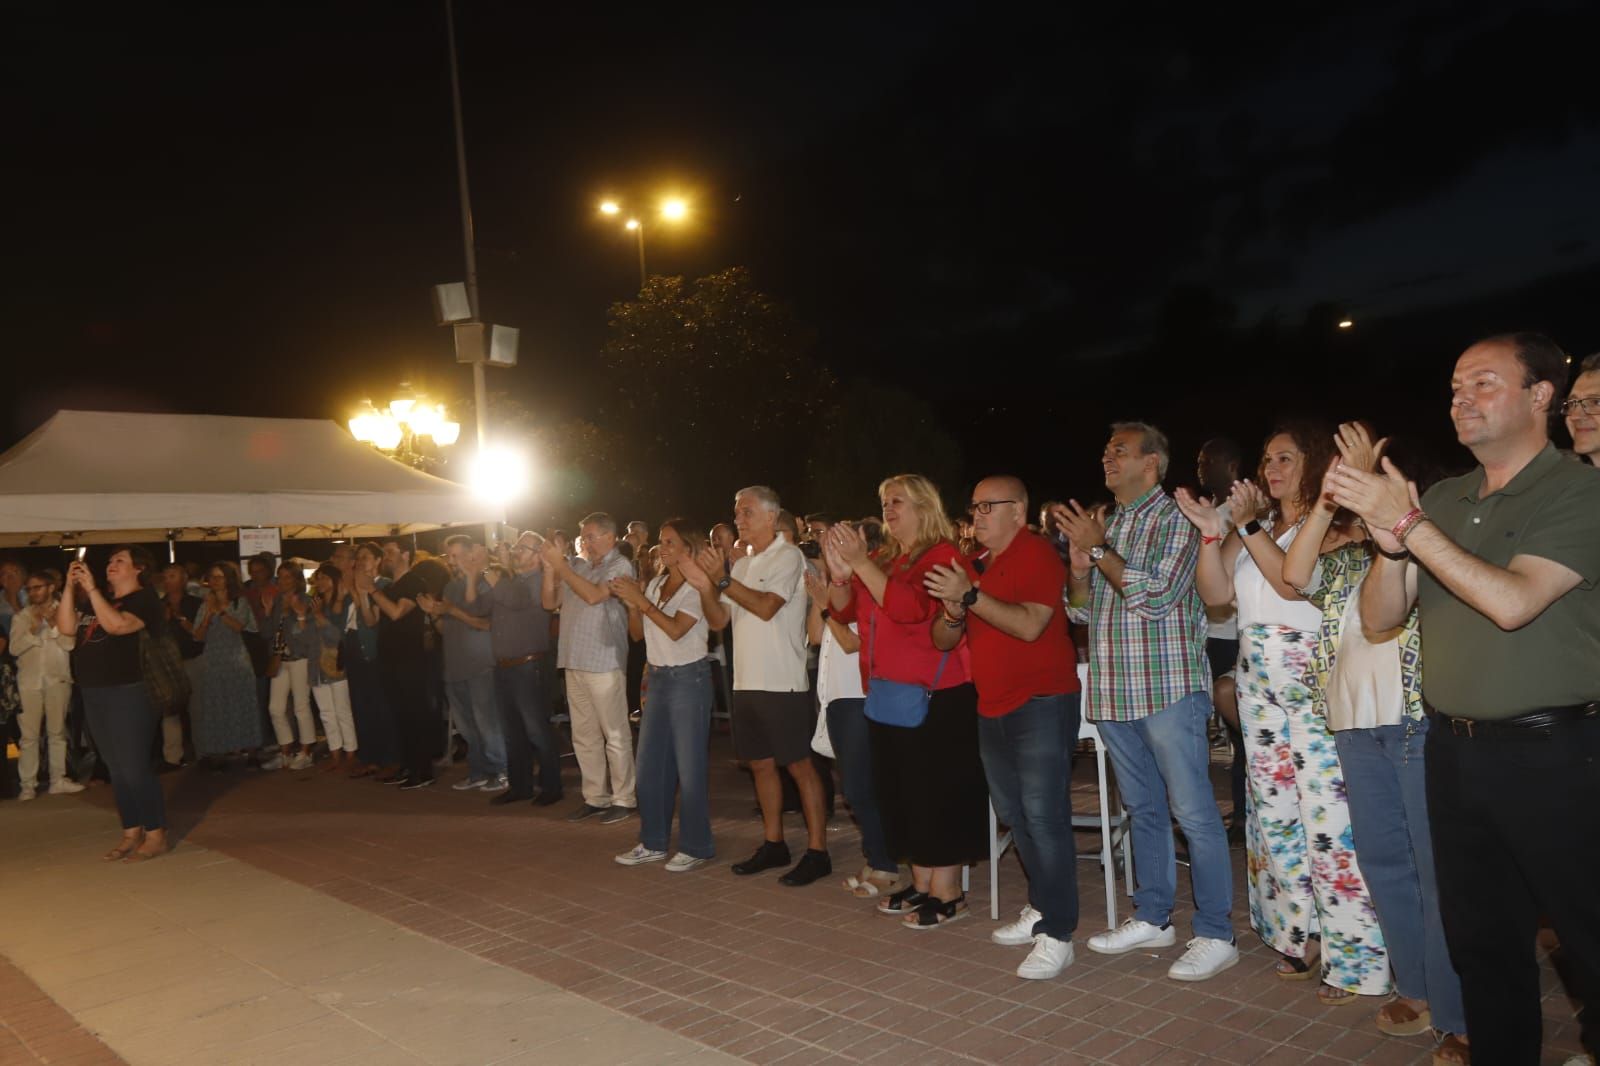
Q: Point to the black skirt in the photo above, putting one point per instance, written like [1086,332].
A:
[932,795]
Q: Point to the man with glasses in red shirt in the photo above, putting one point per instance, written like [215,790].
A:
[1009,601]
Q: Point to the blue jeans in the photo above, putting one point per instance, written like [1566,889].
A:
[472,709]
[1163,772]
[1385,777]
[526,729]
[124,729]
[1027,757]
[674,737]
[852,754]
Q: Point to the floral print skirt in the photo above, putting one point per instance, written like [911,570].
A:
[1302,870]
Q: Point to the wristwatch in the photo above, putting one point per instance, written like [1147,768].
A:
[1098,552]
[1250,528]
[722,586]
[970,597]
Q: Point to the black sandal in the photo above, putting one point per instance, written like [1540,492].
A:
[1300,969]
[936,912]
[904,901]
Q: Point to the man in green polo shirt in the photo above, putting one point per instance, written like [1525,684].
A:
[1505,562]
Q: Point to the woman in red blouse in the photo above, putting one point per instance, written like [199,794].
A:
[929,779]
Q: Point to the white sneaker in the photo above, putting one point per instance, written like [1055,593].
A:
[1047,959]
[1580,1060]
[470,784]
[683,863]
[65,787]
[300,760]
[25,795]
[1205,958]
[498,783]
[1018,932]
[274,763]
[639,856]
[1131,935]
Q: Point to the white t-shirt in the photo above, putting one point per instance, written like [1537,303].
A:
[770,656]
[838,671]
[1260,605]
[662,650]
[1222,623]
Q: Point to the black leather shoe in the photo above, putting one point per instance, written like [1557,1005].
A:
[769,856]
[812,865]
[546,799]
[509,797]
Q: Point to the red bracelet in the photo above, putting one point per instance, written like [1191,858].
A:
[1402,529]
[1208,540]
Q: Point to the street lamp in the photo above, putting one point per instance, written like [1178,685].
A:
[672,209]
[408,428]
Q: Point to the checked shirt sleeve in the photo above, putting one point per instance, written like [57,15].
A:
[1156,589]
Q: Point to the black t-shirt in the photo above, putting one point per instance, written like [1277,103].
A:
[101,660]
[402,640]
[188,607]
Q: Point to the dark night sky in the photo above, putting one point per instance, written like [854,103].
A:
[241,208]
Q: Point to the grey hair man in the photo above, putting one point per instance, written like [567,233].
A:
[764,599]
[1582,410]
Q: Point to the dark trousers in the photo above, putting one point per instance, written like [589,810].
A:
[124,727]
[525,722]
[1516,834]
[634,674]
[405,687]
[1027,757]
[852,754]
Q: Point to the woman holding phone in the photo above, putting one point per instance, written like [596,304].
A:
[106,664]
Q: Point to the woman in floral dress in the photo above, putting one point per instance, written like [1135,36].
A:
[1307,895]
[227,716]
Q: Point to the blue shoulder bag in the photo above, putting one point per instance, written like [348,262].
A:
[897,703]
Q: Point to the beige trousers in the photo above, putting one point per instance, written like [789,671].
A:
[598,706]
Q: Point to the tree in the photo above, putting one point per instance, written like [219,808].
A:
[877,431]
[709,386]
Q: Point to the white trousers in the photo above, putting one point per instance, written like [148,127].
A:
[598,706]
[46,707]
[338,724]
[291,674]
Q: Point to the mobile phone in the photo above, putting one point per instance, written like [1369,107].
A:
[83,549]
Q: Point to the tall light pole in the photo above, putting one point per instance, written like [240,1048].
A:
[480,391]
[673,209]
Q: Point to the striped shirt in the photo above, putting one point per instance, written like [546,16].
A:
[1147,643]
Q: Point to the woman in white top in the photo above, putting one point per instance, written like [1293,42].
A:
[1304,883]
[675,727]
[842,702]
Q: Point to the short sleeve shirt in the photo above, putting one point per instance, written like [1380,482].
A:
[770,656]
[1008,671]
[594,636]
[101,660]
[402,639]
[660,649]
[1471,668]
[467,651]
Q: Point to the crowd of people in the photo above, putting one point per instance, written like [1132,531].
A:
[1407,668]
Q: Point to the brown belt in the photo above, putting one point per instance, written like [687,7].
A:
[520,660]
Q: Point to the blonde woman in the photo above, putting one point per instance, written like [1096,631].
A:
[929,778]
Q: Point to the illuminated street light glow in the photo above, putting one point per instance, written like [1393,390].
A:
[500,474]
[610,207]
[631,224]
[674,209]
[1345,323]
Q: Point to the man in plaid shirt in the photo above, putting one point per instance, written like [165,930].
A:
[1150,694]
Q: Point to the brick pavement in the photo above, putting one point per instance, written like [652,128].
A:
[35,1029]
[760,971]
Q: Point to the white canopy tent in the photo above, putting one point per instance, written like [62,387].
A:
[100,477]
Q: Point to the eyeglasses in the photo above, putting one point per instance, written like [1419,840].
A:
[985,506]
[1589,405]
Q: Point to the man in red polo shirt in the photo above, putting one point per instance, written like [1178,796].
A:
[1008,599]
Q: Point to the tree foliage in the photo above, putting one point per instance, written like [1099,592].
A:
[712,385]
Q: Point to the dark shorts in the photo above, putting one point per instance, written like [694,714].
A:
[773,725]
[1222,654]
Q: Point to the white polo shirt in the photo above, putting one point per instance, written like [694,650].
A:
[770,656]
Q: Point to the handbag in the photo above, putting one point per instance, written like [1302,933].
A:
[821,741]
[331,663]
[897,703]
[165,679]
